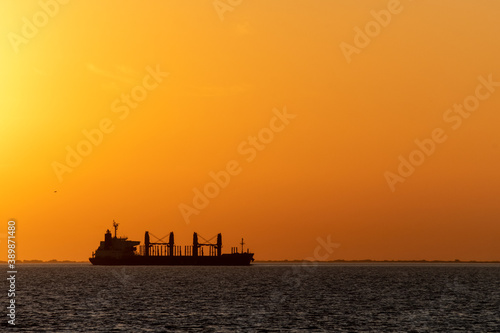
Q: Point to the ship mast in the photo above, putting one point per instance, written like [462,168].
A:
[242,245]
[115,225]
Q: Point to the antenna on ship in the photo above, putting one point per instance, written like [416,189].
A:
[115,225]
[242,245]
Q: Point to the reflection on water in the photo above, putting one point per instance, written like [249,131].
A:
[272,298]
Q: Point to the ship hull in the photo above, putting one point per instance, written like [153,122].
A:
[235,259]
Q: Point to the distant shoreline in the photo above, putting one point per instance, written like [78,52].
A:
[54,261]
[385,261]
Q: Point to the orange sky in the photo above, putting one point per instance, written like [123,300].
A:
[322,174]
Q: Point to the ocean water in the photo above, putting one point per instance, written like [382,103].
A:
[259,298]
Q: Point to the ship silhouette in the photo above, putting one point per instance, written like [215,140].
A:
[121,251]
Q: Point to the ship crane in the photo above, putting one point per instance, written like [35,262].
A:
[216,248]
[170,250]
[158,240]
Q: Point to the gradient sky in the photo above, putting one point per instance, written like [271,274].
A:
[322,175]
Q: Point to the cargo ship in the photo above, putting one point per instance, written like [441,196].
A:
[122,251]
